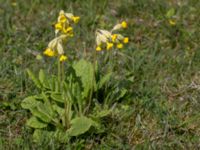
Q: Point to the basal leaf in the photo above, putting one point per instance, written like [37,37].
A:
[61,136]
[29,102]
[41,112]
[59,110]
[85,71]
[42,79]
[80,125]
[57,97]
[35,123]
[40,135]
[41,76]
[34,79]
[104,79]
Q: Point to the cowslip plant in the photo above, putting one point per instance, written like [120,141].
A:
[68,105]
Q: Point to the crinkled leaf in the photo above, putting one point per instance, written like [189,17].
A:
[61,136]
[59,110]
[104,79]
[103,113]
[42,79]
[80,125]
[35,123]
[84,69]
[57,97]
[47,104]
[41,112]
[34,79]
[29,102]
[42,135]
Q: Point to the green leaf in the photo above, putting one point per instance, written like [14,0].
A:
[40,135]
[61,136]
[42,112]
[85,71]
[80,125]
[34,79]
[29,102]
[35,123]
[170,13]
[41,76]
[103,113]
[47,104]
[59,110]
[57,97]
[42,79]
[104,79]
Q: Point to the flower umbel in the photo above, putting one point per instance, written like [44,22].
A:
[108,39]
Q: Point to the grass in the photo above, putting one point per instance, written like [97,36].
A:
[160,68]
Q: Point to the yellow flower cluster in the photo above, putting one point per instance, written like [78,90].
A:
[63,30]
[108,39]
[65,22]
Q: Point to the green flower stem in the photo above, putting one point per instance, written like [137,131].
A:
[59,75]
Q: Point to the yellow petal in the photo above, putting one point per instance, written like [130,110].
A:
[68,30]
[109,45]
[63,58]
[98,48]
[120,45]
[124,24]
[58,26]
[114,37]
[62,18]
[49,52]
[76,19]
[126,40]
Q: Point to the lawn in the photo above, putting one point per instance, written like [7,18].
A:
[158,70]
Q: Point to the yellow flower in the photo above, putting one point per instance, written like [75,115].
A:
[58,26]
[63,58]
[120,45]
[124,24]
[49,52]
[68,30]
[98,48]
[114,37]
[172,22]
[76,19]
[109,45]
[126,40]
[62,18]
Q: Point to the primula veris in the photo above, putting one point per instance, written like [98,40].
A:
[76,19]
[58,26]
[120,45]
[109,46]
[49,52]
[63,58]
[114,37]
[62,18]
[124,24]
[98,48]
[126,40]
[68,30]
